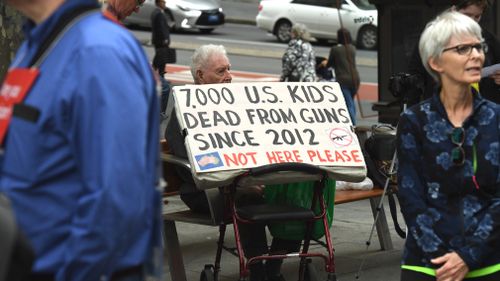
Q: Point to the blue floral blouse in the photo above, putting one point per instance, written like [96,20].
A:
[443,209]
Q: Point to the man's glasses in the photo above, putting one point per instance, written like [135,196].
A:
[139,3]
[458,153]
[466,49]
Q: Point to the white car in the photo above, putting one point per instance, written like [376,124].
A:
[205,15]
[322,19]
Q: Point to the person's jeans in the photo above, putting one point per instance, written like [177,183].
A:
[349,100]
[165,91]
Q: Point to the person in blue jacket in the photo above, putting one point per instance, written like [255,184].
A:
[448,153]
[80,153]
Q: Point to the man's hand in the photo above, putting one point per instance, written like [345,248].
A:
[496,77]
[453,268]
[323,63]
[257,189]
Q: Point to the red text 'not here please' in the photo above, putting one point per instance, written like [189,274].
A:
[327,157]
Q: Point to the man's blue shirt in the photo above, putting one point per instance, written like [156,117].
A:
[82,178]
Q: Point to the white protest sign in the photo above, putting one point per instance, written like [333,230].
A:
[245,125]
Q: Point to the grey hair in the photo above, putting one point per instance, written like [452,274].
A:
[299,30]
[438,33]
[202,54]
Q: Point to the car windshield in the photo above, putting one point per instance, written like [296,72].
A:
[364,4]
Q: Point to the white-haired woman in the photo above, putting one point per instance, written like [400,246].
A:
[299,62]
[448,151]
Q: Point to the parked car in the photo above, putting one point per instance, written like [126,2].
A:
[322,19]
[205,15]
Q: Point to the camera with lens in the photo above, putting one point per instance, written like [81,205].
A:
[406,87]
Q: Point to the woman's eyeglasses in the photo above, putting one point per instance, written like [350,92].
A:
[458,153]
[466,49]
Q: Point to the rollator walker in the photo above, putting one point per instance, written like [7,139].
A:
[220,187]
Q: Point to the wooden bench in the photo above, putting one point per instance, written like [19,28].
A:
[171,239]
[374,195]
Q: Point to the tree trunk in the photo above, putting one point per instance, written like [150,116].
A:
[10,36]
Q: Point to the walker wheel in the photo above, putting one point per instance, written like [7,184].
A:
[332,277]
[208,273]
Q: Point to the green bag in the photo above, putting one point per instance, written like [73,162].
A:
[299,194]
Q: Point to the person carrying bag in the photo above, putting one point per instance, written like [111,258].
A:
[160,35]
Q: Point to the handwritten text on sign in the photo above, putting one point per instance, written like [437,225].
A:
[245,125]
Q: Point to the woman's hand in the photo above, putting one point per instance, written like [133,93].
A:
[453,268]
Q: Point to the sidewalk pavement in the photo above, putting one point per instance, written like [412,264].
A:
[350,230]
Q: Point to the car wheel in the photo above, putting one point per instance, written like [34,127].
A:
[367,37]
[206,30]
[283,31]
[323,41]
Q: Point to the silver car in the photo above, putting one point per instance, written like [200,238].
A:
[321,18]
[205,15]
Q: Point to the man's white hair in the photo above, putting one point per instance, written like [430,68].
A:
[438,33]
[202,54]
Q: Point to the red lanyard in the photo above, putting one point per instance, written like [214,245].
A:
[19,81]
[17,84]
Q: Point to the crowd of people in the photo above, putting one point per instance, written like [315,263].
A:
[82,175]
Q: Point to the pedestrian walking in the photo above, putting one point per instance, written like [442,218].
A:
[160,37]
[342,58]
[299,62]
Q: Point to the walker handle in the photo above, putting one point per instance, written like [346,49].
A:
[281,167]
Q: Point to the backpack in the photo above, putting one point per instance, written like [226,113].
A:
[379,152]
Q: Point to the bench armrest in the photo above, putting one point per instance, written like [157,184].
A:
[172,159]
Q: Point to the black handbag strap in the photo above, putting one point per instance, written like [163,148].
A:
[394,215]
[63,24]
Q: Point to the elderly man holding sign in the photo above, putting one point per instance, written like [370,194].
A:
[210,65]
[226,129]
